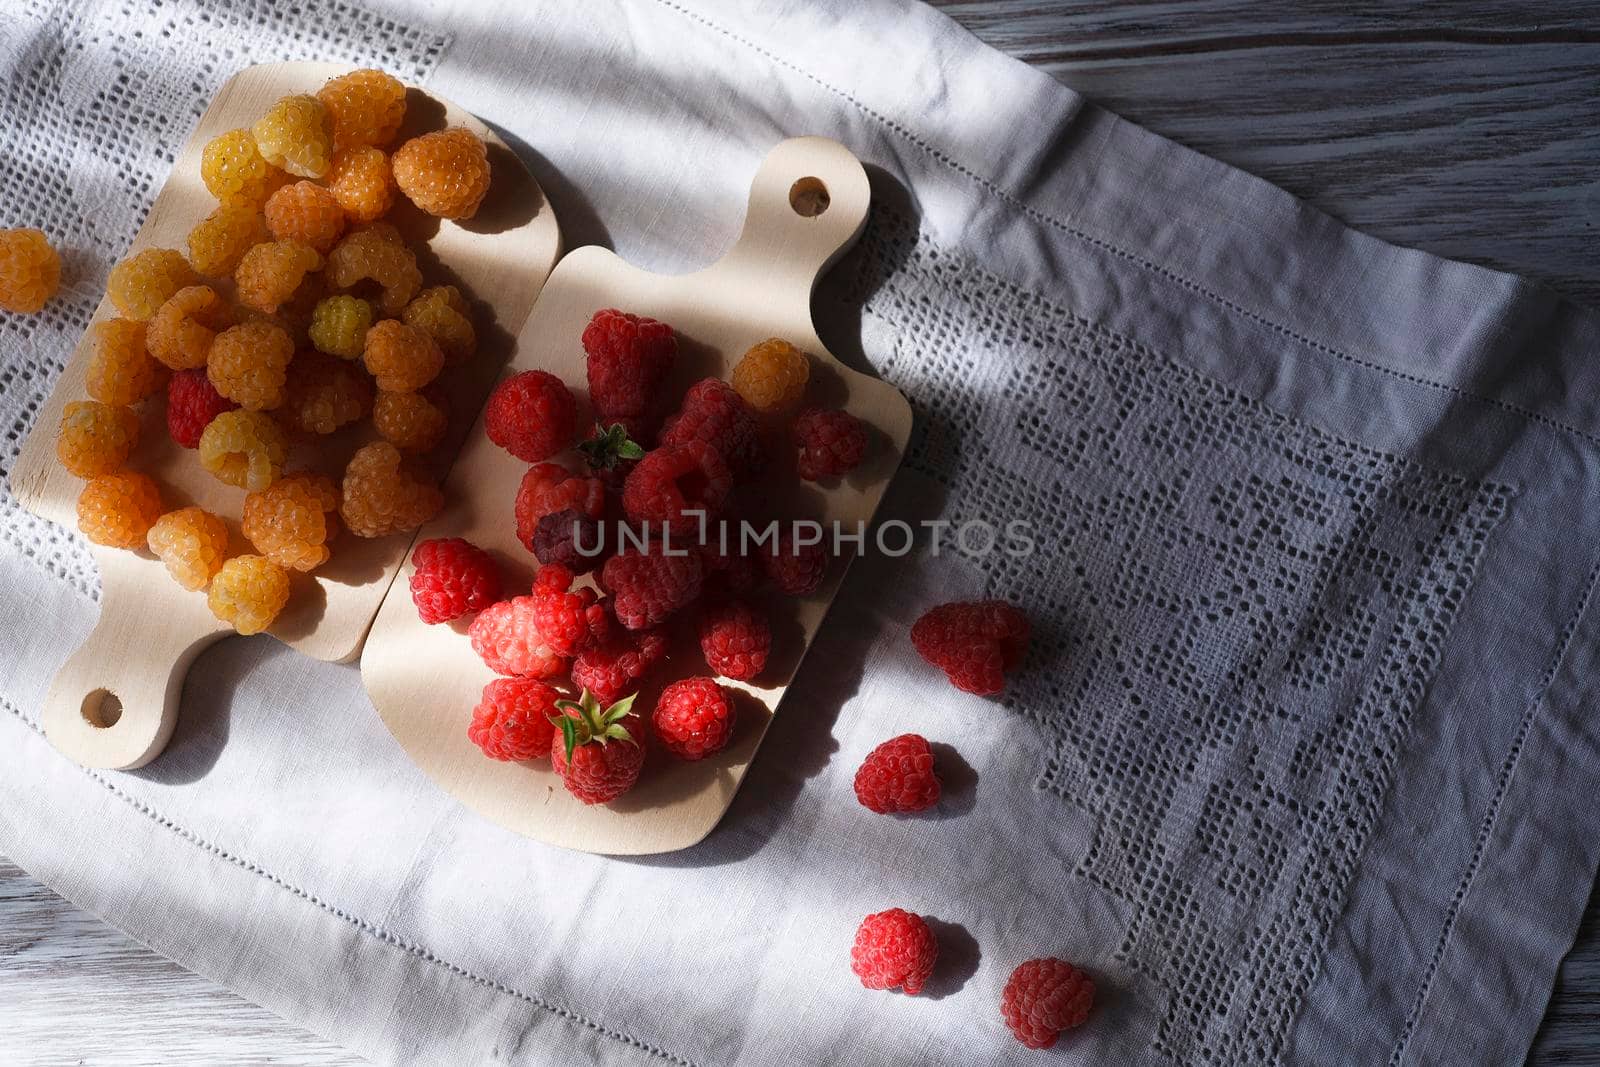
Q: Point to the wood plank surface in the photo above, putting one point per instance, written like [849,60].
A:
[1465,128]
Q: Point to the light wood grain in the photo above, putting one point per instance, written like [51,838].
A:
[424,679]
[150,628]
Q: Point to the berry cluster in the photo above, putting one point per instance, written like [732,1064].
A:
[296,314]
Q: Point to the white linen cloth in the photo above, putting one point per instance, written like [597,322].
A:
[1297,768]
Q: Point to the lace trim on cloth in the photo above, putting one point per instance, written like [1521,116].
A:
[101,98]
[1236,614]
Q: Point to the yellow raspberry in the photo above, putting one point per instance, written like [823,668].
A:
[219,241]
[362,184]
[192,542]
[140,284]
[118,509]
[377,253]
[295,134]
[235,172]
[30,271]
[271,272]
[772,376]
[380,497]
[409,421]
[249,364]
[305,212]
[339,326]
[292,520]
[243,448]
[444,173]
[95,438]
[181,333]
[443,314]
[401,358]
[366,107]
[248,593]
[324,394]
[120,370]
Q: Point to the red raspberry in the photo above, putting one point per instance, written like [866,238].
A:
[512,721]
[647,586]
[452,577]
[629,358]
[612,668]
[507,638]
[550,487]
[898,776]
[796,569]
[974,643]
[713,412]
[894,948]
[735,640]
[568,621]
[830,443]
[571,539]
[1044,997]
[598,751]
[677,487]
[694,718]
[531,415]
[192,402]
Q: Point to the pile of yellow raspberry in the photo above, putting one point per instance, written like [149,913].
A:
[296,316]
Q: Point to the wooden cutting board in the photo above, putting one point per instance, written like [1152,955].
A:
[114,703]
[807,206]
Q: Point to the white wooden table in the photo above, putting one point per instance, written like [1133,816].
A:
[1464,128]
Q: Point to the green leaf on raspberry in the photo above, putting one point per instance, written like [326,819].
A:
[620,733]
[609,446]
[619,711]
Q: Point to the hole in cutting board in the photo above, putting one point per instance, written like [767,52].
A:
[808,197]
[101,709]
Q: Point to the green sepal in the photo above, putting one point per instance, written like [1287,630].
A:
[619,711]
[620,733]
[569,734]
[609,446]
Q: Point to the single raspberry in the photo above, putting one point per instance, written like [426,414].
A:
[365,107]
[600,750]
[444,315]
[95,438]
[323,394]
[192,543]
[677,488]
[568,620]
[249,364]
[118,509]
[648,585]
[508,640]
[381,497]
[531,415]
[292,520]
[452,577]
[735,640]
[307,213]
[772,376]
[629,359]
[401,358]
[180,333]
[269,274]
[894,949]
[570,538]
[296,135]
[512,719]
[248,593]
[830,443]
[361,183]
[219,241]
[192,402]
[30,271]
[412,422]
[898,776]
[235,172]
[694,718]
[1042,998]
[612,668]
[140,284]
[713,412]
[339,326]
[974,643]
[796,568]
[120,369]
[376,253]
[548,488]
[444,173]
[243,448]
